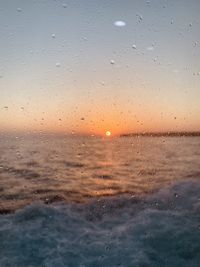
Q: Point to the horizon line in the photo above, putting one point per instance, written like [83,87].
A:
[79,134]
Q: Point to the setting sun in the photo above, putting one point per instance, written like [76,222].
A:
[108,133]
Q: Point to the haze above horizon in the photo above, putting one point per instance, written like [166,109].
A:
[99,66]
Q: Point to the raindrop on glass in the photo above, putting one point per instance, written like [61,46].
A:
[140,18]
[120,23]
[150,48]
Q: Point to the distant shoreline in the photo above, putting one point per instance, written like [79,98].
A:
[162,134]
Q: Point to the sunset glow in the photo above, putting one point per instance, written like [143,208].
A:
[110,70]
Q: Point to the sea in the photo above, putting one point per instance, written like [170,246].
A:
[78,201]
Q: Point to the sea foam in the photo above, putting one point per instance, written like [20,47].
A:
[159,230]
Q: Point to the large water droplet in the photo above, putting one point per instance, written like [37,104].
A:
[120,23]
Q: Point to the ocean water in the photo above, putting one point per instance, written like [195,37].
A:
[86,201]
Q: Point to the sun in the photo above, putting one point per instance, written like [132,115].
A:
[108,133]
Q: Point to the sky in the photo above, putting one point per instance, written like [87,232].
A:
[93,66]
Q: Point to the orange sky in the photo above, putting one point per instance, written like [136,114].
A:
[85,73]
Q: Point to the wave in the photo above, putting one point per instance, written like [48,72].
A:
[158,230]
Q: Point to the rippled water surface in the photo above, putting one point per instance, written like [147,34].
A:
[111,202]
[76,169]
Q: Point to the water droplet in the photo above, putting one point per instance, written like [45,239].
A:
[150,48]
[175,71]
[120,23]
[19,9]
[175,194]
[58,64]
[112,62]
[190,24]
[134,46]
[140,18]
[64,5]
[107,248]
[53,35]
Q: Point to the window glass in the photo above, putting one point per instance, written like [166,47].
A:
[99,133]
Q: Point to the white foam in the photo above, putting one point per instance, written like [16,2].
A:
[161,230]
